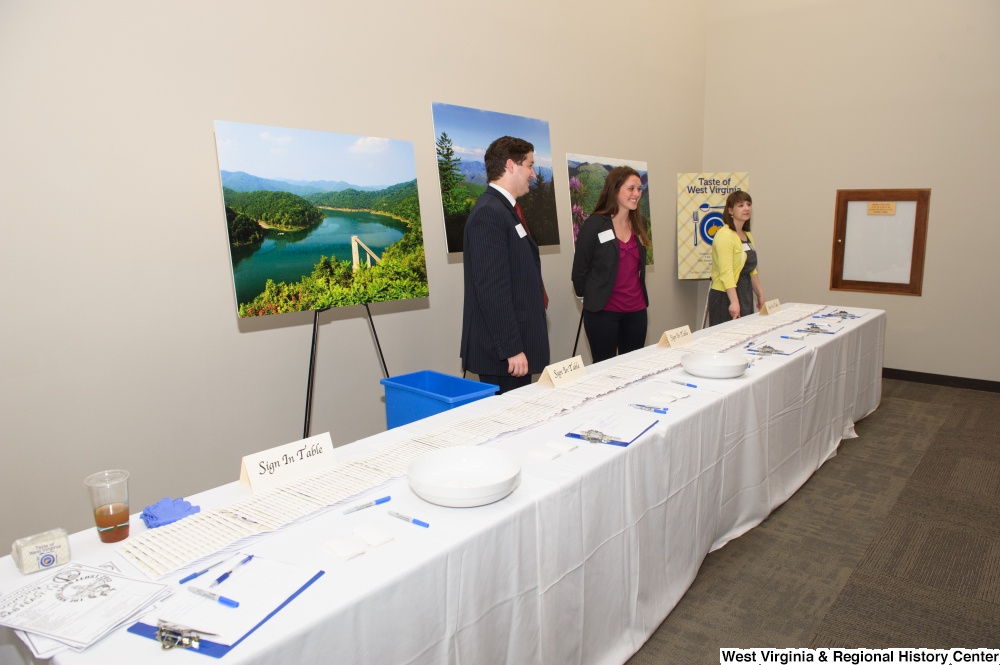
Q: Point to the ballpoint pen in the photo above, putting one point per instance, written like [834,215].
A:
[646,407]
[367,505]
[200,572]
[228,602]
[224,576]
[681,383]
[408,519]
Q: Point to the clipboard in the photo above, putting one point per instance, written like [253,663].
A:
[817,331]
[596,436]
[214,649]
[766,349]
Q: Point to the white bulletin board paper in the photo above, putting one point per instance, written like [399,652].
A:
[879,248]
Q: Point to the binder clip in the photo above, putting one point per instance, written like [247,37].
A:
[766,350]
[843,315]
[593,436]
[171,635]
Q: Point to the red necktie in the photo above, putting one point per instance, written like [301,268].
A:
[520,213]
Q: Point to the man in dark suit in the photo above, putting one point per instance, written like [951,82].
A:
[504,336]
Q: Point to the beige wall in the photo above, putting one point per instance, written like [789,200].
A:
[120,343]
[811,96]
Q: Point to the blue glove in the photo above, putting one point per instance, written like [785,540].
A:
[166,512]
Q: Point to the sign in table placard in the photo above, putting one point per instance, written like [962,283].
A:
[561,373]
[279,465]
[676,337]
[770,307]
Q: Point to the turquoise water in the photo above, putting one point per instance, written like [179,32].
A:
[287,257]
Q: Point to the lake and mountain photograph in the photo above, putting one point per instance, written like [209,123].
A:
[586,179]
[319,219]
[462,136]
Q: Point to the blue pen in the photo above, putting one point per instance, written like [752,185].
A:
[200,572]
[367,505]
[787,337]
[409,519]
[646,407]
[224,576]
[681,383]
[228,602]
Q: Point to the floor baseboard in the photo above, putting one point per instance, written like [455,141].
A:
[941,380]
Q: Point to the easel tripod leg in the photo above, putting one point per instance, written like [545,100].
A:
[578,328]
[312,371]
[371,322]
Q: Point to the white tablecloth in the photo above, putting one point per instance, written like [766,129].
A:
[583,561]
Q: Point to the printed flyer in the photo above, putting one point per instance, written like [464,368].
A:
[700,200]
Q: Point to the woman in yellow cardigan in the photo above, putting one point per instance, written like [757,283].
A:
[734,264]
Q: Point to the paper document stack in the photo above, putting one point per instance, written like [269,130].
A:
[76,605]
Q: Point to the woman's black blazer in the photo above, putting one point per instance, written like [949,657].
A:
[595,264]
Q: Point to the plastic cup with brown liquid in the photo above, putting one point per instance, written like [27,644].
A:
[109,499]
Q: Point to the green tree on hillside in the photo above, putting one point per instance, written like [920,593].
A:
[276,209]
[400,200]
[242,229]
[450,174]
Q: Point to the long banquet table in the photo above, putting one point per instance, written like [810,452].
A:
[587,556]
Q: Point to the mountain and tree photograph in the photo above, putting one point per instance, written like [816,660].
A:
[462,137]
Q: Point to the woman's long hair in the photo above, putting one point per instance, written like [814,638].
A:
[736,197]
[607,202]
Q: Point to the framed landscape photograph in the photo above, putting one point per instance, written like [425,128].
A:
[462,136]
[318,219]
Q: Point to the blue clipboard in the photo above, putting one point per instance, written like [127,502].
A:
[214,649]
[623,444]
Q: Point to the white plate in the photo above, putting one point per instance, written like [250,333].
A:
[715,365]
[465,476]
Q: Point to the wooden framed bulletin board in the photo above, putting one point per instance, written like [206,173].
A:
[879,238]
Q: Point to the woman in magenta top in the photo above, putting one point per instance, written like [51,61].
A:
[609,268]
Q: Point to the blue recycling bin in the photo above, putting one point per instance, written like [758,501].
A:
[410,397]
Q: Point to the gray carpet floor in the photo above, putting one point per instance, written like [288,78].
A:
[895,542]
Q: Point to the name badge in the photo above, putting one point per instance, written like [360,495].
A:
[520,231]
[605,236]
[746,247]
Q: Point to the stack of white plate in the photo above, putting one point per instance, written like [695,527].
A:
[715,365]
[464,477]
